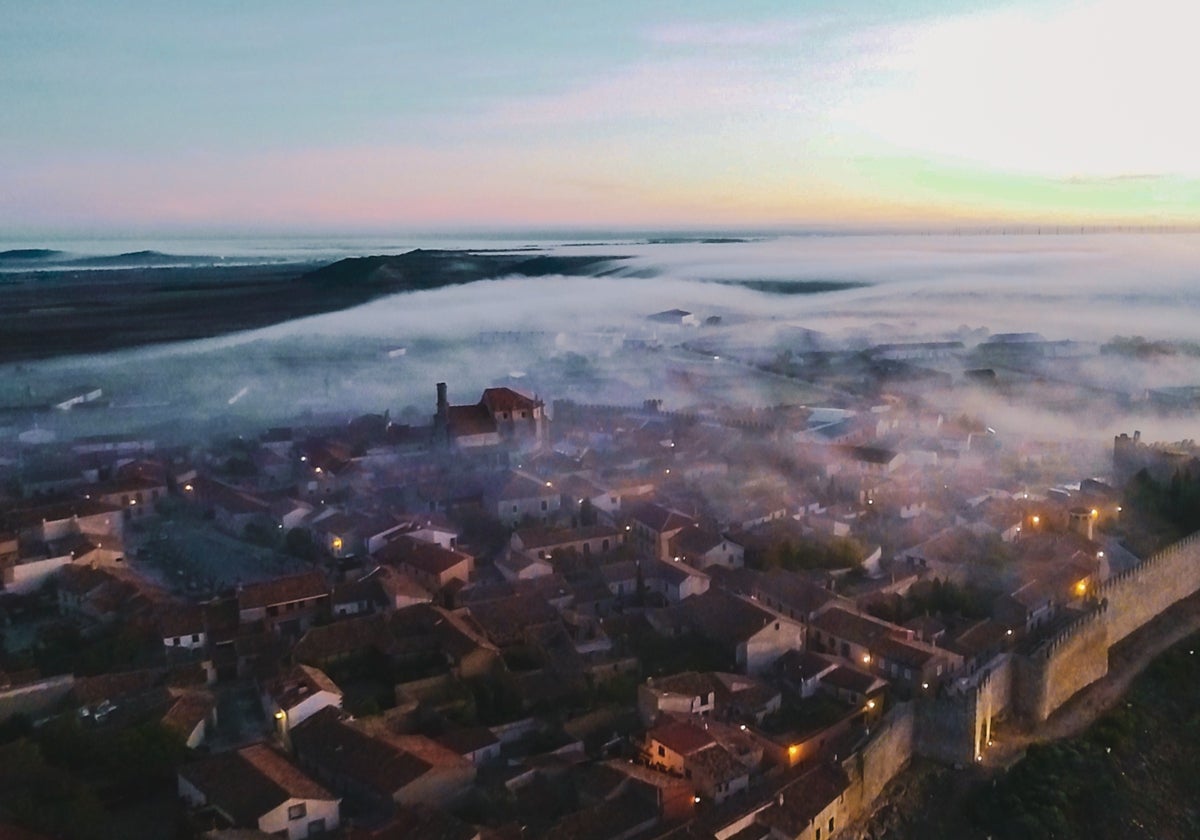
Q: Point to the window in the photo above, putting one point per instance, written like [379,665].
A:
[196,638]
[818,834]
[661,751]
[831,826]
[845,650]
[514,508]
[543,504]
[522,415]
[316,828]
[296,812]
[776,625]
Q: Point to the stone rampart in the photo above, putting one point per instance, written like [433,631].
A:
[1061,665]
[1139,594]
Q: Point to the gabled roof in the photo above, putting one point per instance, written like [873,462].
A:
[519,485]
[852,627]
[251,782]
[801,665]
[22,518]
[799,803]
[718,763]
[302,682]
[687,683]
[504,620]
[537,537]
[340,749]
[671,572]
[695,541]
[722,617]
[425,556]
[506,399]
[910,654]
[283,590]
[349,635]
[660,519]
[187,710]
[851,679]
[683,738]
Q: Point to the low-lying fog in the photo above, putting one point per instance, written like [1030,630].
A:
[587,338]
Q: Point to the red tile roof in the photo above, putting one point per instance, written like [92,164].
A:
[283,590]
[506,399]
[424,556]
[251,782]
[683,738]
[660,519]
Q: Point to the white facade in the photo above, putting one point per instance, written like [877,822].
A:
[28,577]
[762,649]
[304,709]
[186,642]
[302,818]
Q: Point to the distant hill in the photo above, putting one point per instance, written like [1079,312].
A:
[421,270]
[28,254]
[106,303]
[134,259]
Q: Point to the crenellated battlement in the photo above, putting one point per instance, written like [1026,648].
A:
[1046,648]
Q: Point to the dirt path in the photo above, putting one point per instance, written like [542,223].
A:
[1126,660]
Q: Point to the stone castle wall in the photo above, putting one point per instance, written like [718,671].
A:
[888,751]
[1060,666]
[955,725]
[1139,594]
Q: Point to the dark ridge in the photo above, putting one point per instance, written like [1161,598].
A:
[697,240]
[141,258]
[794,287]
[66,310]
[421,270]
[30,254]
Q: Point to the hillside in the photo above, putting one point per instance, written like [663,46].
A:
[64,311]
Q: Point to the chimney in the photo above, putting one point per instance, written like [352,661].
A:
[442,403]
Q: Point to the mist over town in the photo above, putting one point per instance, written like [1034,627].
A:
[599,423]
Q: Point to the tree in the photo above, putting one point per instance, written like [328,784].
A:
[299,543]
[587,513]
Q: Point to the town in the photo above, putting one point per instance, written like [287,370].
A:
[539,617]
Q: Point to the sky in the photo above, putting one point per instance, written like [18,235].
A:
[290,115]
